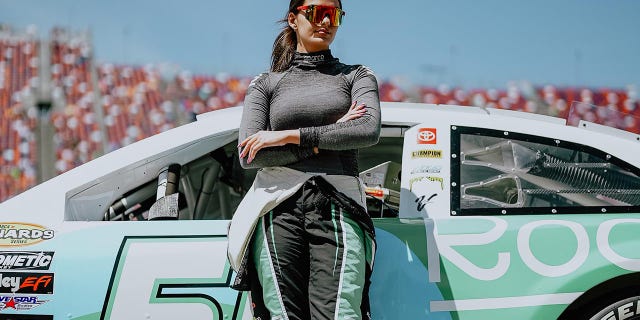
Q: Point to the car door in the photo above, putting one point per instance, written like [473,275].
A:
[528,222]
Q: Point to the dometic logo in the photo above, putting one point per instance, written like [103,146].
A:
[427,136]
[23,282]
[25,260]
[437,154]
[20,303]
[22,234]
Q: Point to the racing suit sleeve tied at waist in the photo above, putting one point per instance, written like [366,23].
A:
[272,186]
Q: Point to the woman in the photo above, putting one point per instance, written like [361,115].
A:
[302,123]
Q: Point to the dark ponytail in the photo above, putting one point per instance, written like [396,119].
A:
[284,47]
[286,42]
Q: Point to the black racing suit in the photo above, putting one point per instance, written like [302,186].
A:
[312,254]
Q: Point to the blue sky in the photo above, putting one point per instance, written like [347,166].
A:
[459,42]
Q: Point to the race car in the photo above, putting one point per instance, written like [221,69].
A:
[479,214]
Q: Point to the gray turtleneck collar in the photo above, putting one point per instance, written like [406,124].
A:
[313,59]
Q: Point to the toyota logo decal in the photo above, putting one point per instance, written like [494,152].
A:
[427,136]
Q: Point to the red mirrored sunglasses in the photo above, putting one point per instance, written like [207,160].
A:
[317,13]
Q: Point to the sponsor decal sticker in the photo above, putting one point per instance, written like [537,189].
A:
[20,303]
[434,154]
[373,178]
[426,169]
[427,136]
[423,179]
[23,234]
[25,260]
[7,316]
[423,200]
[24,282]
[426,189]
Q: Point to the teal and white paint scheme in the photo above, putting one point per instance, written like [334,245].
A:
[502,215]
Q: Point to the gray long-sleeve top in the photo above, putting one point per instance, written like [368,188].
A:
[312,95]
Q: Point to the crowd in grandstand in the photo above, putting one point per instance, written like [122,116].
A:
[96,108]
[77,137]
[19,71]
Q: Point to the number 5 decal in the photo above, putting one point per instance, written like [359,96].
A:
[173,277]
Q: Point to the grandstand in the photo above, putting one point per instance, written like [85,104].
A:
[132,104]
[77,138]
[19,80]
[59,108]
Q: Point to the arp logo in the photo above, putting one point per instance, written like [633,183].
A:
[427,136]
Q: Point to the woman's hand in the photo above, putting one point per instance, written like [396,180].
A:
[355,111]
[264,139]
